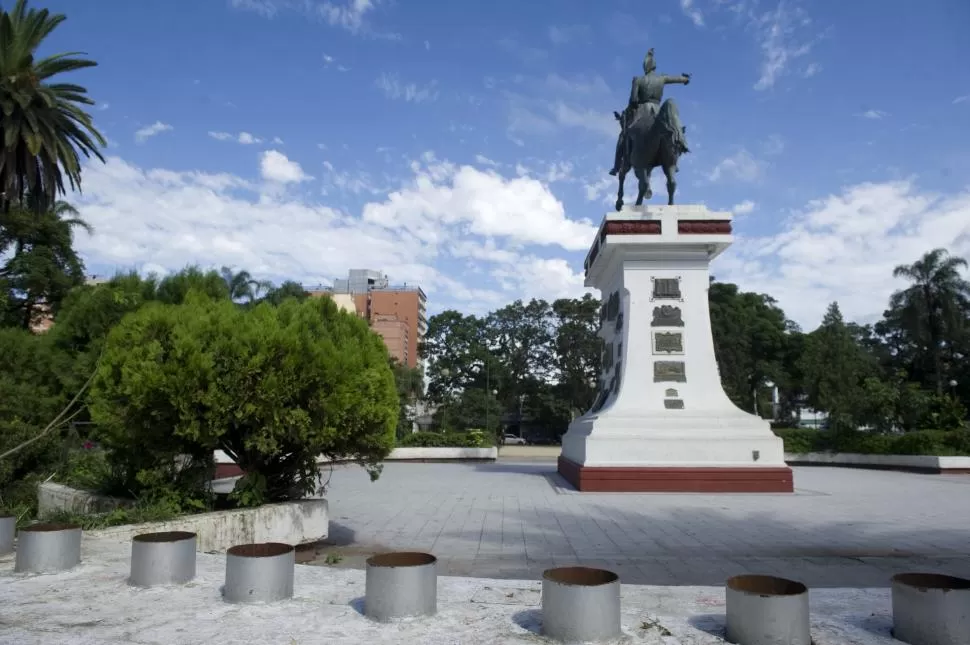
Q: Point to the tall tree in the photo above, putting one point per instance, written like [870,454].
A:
[409,382]
[454,346]
[835,368]
[519,338]
[173,289]
[933,310]
[44,265]
[44,126]
[750,336]
[289,289]
[578,349]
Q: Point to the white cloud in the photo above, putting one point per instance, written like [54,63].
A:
[783,40]
[357,183]
[811,70]
[265,8]
[104,106]
[741,166]
[277,141]
[485,161]
[744,207]
[394,88]
[150,131]
[274,166]
[346,14]
[244,138]
[601,190]
[873,114]
[844,247]
[163,220]
[692,12]
[483,203]
[961,99]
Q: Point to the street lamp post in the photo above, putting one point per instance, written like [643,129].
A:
[445,372]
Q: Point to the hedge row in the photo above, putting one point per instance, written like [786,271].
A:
[470,439]
[942,443]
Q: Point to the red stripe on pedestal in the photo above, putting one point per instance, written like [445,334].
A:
[676,480]
[631,227]
[704,227]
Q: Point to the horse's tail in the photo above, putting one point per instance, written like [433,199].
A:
[668,122]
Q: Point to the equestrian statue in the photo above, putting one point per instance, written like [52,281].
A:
[651,134]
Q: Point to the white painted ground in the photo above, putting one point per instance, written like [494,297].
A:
[93,605]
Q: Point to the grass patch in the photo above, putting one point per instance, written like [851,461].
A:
[159,512]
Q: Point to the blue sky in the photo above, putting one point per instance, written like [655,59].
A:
[465,145]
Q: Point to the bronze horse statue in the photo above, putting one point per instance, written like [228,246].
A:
[651,134]
[660,145]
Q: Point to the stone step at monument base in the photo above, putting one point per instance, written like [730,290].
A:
[662,447]
[685,479]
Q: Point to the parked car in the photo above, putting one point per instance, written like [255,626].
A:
[513,440]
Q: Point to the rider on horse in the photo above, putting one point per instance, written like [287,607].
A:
[645,98]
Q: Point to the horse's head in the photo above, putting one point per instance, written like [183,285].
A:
[617,116]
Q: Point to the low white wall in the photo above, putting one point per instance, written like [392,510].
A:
[921,462]
[299,522]
[57,497]
[407,454]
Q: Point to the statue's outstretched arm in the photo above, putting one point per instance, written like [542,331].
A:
[683,79]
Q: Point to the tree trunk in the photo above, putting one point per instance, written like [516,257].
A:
[28,313]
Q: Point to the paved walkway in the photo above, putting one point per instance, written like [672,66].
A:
[841,528]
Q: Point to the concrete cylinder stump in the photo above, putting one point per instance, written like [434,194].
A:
[47,547]
[259,572]
[765,610]
[166,558]
[8,529]
[401,585]
[931,609]
[580,604]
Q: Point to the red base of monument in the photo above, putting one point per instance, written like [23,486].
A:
[676,480]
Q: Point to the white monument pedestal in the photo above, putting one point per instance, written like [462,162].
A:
[662,421]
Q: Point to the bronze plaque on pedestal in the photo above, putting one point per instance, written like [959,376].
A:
[668,342]
[666,289]
[669,371]
[667,316]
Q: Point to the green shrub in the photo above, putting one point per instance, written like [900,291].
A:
[28,403]
[470,439]
[920,442]
[273,387]
[800,440]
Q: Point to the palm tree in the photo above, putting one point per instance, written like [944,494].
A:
[242,284]
[933,309]
[43,128]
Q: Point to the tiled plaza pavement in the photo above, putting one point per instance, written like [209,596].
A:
[841,528]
